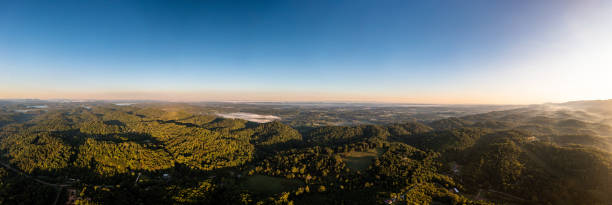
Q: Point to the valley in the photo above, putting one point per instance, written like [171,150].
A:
[165,153]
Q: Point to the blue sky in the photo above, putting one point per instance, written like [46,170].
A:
[387,51]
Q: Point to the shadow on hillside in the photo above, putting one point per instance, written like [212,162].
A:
[266,149]
[177,123]
[114,122]
[134,186]
[76,137]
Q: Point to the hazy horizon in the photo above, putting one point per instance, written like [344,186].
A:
[373,102]
[476,52]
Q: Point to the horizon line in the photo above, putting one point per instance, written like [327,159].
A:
[75,100]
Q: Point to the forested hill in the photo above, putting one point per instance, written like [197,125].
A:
[151,153]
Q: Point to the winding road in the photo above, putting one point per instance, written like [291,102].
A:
[58,187]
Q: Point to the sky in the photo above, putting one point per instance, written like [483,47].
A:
[446,52]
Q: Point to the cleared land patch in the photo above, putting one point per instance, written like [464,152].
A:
[270,185]
[360,160]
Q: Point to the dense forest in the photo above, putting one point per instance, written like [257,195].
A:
[162,153]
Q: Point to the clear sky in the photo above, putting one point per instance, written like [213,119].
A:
[498,52]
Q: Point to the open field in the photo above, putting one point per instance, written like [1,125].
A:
[262,184]
[360,160]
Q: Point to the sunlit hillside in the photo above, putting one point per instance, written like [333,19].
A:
[171,153]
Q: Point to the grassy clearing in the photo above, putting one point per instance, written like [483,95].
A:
[270,185]
[360,160]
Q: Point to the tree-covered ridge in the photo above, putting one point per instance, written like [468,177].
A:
[109,158]
[36,152]
[337,135]
[179,154]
